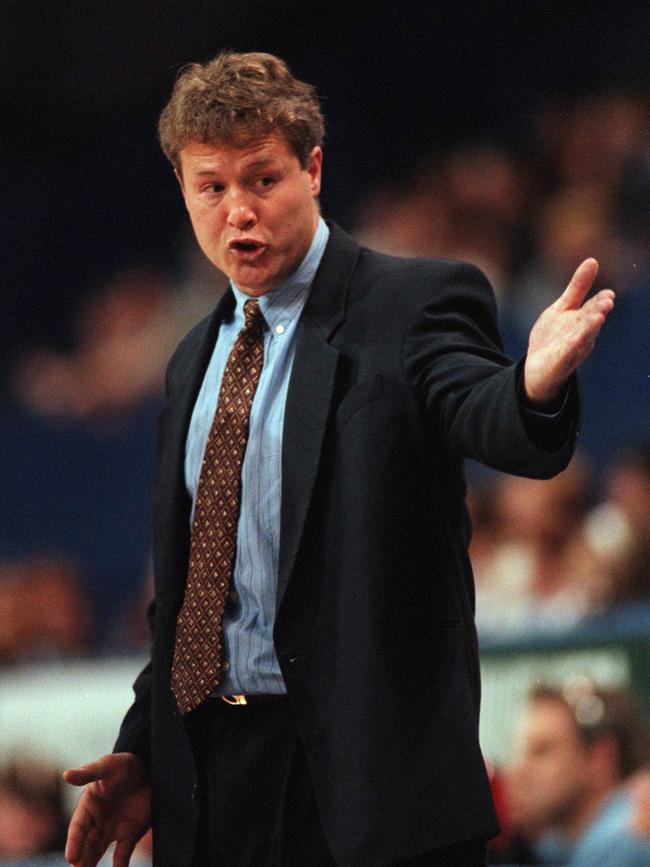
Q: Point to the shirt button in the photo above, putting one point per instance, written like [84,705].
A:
[279,329]
[225,665]
[232,596]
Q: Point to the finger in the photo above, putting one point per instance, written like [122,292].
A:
[95,844]
[80,825]
[607,293]
[579,285]
[123,852]
[85,831]
[86,773]
[604,301]
[93,847]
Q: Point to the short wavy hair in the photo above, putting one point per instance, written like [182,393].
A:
[238,98]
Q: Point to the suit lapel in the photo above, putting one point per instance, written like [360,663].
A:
[310,393]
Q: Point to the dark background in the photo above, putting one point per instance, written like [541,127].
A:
[84,189]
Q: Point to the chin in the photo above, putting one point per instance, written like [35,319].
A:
[250,287]
[256,281]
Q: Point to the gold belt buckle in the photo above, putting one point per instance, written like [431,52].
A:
[234,699]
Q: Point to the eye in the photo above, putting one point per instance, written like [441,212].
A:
[266,181]
[212,189]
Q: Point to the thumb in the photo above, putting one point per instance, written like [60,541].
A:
[579,285]
[89,773]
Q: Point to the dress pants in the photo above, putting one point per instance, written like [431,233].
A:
[257,803]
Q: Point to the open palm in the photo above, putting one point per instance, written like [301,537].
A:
[114,806]
[564,335]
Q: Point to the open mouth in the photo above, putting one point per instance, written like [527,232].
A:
[246,245]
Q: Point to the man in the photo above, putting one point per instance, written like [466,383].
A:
[577,748]
[310,532]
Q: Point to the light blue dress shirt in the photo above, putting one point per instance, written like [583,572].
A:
[608,841]
[250,659]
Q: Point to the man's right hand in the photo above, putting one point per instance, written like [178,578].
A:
[114,806]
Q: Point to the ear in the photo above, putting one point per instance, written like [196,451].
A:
[314,168]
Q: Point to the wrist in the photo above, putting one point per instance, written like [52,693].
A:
[549,403]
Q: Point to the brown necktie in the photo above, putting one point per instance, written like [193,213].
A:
[197,665]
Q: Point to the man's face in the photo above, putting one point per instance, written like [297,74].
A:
[253,208]
[550,777]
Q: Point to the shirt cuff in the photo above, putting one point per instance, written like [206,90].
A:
[552,425]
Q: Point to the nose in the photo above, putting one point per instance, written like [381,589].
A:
[240,213]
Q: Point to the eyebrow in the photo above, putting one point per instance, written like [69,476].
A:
[261,163]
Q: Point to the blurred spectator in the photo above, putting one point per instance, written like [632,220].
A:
[524,578]
[32,820]
[615,541]
[567,789]
[629,487]
[489,192]
[592,139]
[407,220]
[44,611]
[77,443]
[470,205]
[573,224]
[125,333]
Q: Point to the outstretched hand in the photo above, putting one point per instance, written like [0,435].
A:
[564,335]
[114,806]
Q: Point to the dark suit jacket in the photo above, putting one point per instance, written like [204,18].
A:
[398,376]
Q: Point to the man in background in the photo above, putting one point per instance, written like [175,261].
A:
[577,750]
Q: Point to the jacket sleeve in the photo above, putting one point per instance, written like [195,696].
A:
[471,390]
[135,732]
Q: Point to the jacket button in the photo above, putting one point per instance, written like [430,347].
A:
[195,792]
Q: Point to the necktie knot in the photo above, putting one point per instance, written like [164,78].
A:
[253,316]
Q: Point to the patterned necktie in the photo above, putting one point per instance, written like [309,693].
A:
[197,665]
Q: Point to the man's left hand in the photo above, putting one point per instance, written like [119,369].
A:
[564,335]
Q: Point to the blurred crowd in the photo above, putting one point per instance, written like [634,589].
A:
[78,427]
[77,433]
[77,444]
[549,557]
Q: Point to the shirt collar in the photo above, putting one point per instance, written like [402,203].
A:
[287,300]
